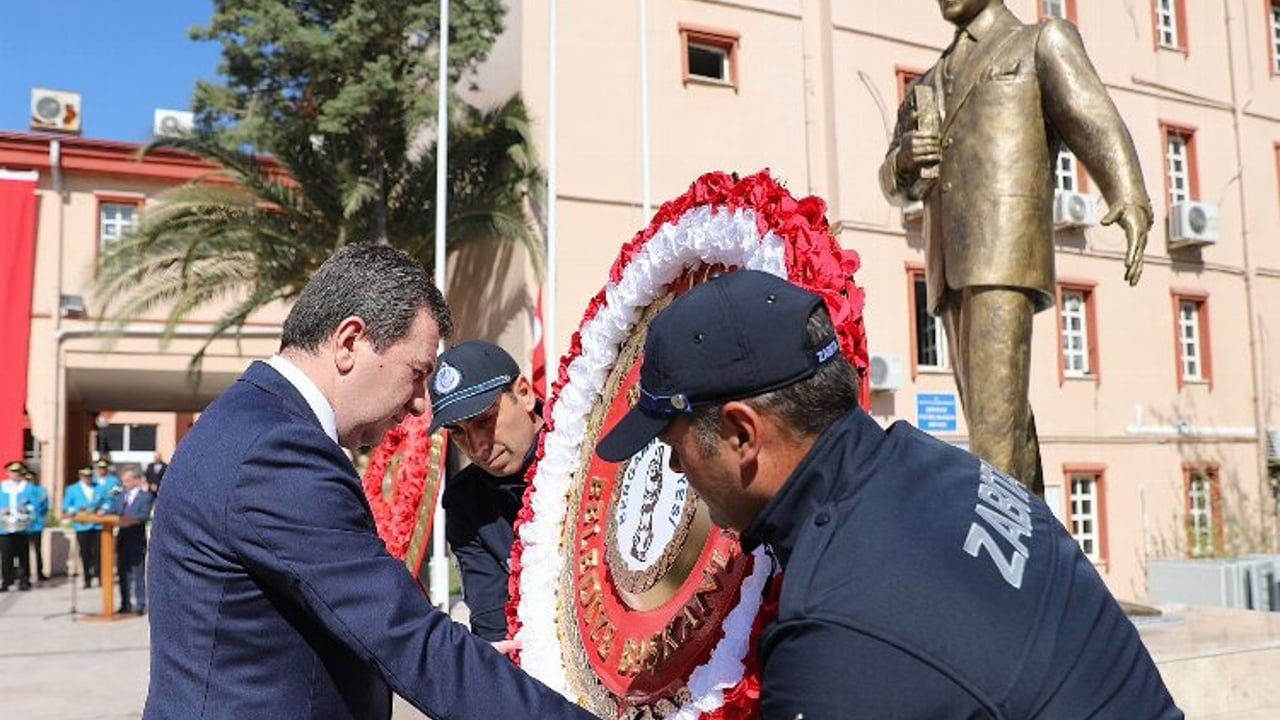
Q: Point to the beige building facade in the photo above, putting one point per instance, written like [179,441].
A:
[1153,403]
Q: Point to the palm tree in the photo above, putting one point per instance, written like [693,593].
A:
[255,230]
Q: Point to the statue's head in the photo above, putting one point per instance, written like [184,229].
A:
[961,12]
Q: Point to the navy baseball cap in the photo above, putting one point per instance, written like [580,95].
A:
[469,379]
[739,335]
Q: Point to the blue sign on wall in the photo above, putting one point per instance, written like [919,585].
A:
[936,412]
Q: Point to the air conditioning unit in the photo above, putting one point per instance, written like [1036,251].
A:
[1191,224]
[912,212]
[172,123]
[55,110]
[1273,444]
[1074,210]
[887,372]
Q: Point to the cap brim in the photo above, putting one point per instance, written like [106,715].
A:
[631,434]
[465,409]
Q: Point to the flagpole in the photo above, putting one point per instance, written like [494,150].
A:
[551,298]
[439,573]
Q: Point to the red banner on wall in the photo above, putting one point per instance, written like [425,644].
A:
[17,274]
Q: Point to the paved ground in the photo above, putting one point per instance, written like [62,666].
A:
[56,666]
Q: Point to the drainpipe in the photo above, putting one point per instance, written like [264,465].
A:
[1266,511]
[60,405]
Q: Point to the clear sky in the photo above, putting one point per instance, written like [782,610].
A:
[125,57]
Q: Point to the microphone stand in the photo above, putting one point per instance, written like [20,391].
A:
[74,613]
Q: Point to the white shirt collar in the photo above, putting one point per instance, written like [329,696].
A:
[320,407]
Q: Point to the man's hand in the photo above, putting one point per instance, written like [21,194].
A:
[1136,221]
[917,150]
[506,647]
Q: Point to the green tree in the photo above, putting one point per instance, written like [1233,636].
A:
[323,128]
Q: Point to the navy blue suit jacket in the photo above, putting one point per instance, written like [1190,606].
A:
[131,540]
[271,595]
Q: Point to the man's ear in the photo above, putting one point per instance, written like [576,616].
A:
[523,391]
[740,426]
[349,334]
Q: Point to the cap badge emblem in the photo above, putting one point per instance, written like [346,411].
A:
[447,379]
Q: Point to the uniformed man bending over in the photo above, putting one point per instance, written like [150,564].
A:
[494,418]
[919,582]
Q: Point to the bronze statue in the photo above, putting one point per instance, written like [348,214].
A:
[977,138]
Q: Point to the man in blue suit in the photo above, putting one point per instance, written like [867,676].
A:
[133,505]
[271,594]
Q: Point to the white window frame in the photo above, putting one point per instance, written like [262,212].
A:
[1085,516]
[1200,508]
[1054,8]
[1167,23]
[1190,345]
[1075,334]
[112,226]
[726,70]
[939,339]
[1178,158]
[1066,173]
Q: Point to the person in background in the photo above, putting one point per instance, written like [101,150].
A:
[107,482]
[918,581]
[154,472]
[134,508]
[35,532]
[492,416]
[82,497]
[16,507]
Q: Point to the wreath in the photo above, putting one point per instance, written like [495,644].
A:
[612,648]
[402,482]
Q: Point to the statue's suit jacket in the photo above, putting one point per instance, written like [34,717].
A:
[271,595]
[1021,92]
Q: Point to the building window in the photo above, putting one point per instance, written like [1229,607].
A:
[1066,173]
[115,220]
[1274,16]
[1204,510]
[710,56]
[1191,335]
[1181,182]
[117,438]
[1061,9]
[928,338]
[1076,320]
[1171,24]
[906,76]
[1086,509]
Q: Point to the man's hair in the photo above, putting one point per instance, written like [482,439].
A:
[806,408]
[381,285]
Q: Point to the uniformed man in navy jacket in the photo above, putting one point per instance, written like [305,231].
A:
[494,418]
[918,581]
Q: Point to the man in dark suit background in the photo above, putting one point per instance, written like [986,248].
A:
[154,472]
[979,151]
[134,508]
[271,593]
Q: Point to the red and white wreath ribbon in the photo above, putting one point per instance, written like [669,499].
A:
[752,223]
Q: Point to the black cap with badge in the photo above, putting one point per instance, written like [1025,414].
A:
[739,335]
[469,379]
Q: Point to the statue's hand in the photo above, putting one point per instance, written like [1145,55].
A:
[918,150]
[1136,221]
